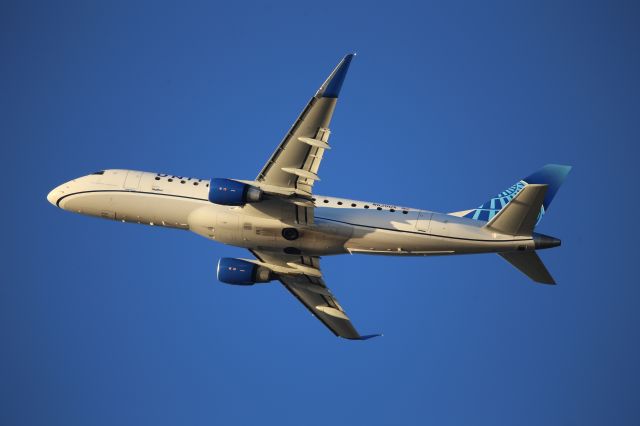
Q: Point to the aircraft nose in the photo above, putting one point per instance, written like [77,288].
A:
[60,191]
[54,195]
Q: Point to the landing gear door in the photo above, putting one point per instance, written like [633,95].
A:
[424,221]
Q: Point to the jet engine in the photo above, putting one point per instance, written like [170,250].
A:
[240,272]
[232,193]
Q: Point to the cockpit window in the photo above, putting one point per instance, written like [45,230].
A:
[101,172]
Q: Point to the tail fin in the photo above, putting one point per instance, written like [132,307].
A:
[552,175]
[521,214]
[529,264]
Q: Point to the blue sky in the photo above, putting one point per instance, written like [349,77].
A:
[446,104]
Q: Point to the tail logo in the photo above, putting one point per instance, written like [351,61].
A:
[552,175]
[490,208]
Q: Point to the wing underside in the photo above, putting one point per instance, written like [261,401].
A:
[295,162]
[310,289]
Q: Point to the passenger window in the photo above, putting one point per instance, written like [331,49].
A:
[392,210]
[157,178]
[366,207]
[195,183]
[170,180]
[326,201]
[379,208]
[339,203]
[404,212]
[353,204]
[182,181]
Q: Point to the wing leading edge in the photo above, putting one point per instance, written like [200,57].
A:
[310,289]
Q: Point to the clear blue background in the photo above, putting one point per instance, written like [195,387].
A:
[104,323]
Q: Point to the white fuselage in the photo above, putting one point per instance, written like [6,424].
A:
[340,225]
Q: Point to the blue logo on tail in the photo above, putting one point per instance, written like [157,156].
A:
[552,175]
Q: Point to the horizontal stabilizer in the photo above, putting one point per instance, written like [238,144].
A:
[529,264]
[521,214]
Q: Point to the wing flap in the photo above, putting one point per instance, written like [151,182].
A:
[317,305]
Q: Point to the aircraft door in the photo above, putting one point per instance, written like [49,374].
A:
[132,182]
[424,221]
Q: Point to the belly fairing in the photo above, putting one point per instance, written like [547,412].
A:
[235,227]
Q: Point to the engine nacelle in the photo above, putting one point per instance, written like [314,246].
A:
[240,272]
[232,193]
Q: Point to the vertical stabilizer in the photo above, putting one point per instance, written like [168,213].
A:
[521,214]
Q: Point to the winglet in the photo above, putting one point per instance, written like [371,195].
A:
[366,337]
[331,87]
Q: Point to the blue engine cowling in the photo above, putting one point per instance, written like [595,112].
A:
[240,272]
[232,193]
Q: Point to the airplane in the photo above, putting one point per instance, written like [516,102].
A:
[287,228]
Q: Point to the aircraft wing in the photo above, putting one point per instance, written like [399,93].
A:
[295,162]
[310,289]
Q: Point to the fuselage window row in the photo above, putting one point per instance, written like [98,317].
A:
[355,205]
[182,181]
